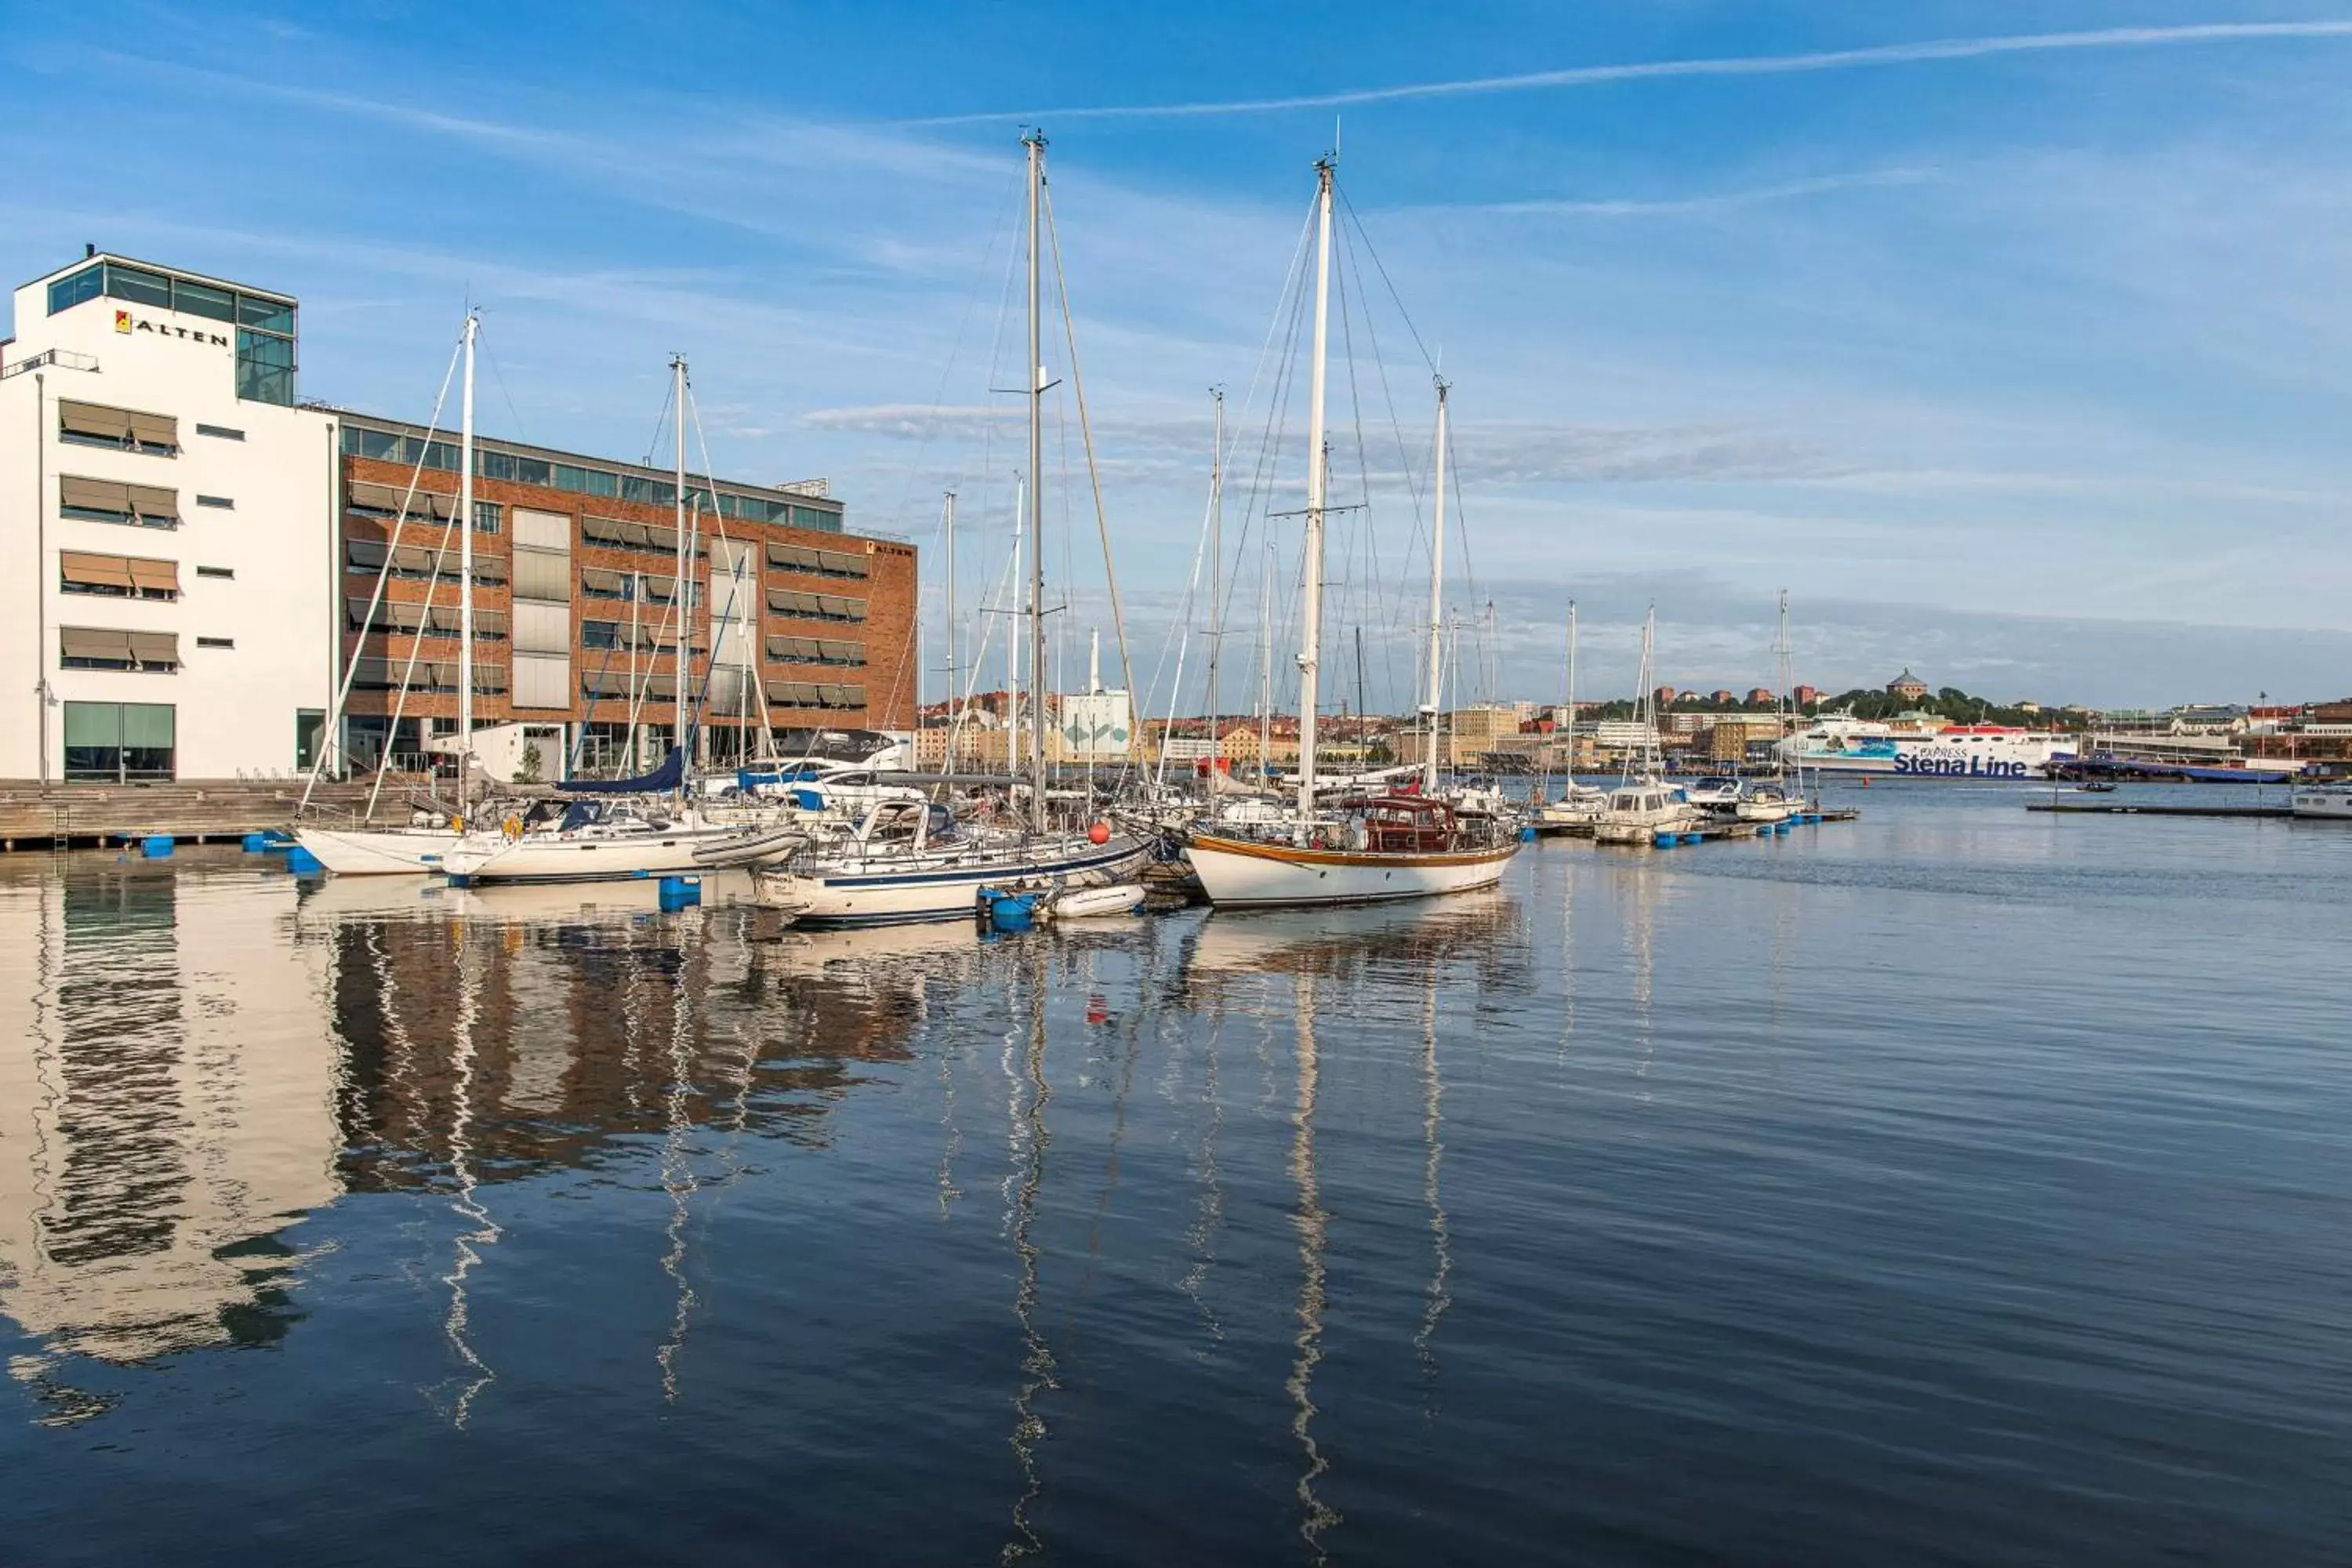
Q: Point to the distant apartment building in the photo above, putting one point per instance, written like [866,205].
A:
[195,558]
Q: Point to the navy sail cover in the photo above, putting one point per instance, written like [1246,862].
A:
[661,781]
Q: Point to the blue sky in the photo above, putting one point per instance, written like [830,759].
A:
[2012,340]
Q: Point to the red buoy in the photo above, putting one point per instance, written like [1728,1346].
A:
[1099,833]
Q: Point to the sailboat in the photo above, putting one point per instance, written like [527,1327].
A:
[423,845]
[1579,805]
[1378,847]
[1771,801]
[605,836]
[913,861]
[1643,805]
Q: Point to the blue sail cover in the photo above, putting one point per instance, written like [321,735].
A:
[661,781]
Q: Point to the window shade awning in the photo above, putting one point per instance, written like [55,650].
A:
[155,648]
[92,642]
[841,563]
[155,576]
[387,498]
[154,501]
[822,606]
[596,580]
[811,694]
[93,494]
[609,683]
[101,422]
[94,571]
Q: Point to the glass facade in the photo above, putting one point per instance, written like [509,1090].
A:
[119,743]
[87,284]
[264,367]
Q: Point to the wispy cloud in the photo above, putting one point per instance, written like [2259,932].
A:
[1713,201]
[1734,66]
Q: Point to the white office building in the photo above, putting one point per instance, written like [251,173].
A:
[169,599]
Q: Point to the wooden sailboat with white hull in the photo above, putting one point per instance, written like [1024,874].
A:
[1394,846]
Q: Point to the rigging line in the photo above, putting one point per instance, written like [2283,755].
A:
[383,576]
[1381,267]
[1242,417]
[491,355]
[1006,204]
[1087,436]
[423,624]
[661,423]
[751,637]
[1413,483]
[1359,529]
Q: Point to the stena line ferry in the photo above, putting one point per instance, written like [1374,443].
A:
[1842,744]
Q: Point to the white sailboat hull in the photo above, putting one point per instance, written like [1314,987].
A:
[559,858]
[888,889]
[379,852]
[1238,873]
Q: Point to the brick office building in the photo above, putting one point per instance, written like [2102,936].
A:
[794,622]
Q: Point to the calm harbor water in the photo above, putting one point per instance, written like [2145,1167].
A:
[1954,1186]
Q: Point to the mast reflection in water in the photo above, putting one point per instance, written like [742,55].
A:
[1596,1217]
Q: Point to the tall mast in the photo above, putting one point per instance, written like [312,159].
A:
[1036,142]
[466,578]
[1571,689]
[1013,638]
[1436,605]
[1216,576]
[1310,630]
[681,597]
[1266,667]
[955,692]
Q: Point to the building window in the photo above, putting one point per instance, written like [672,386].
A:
[223,571]
[87,284]
[489,516]
[222,431]
[216,642]
[600,634]
[265,368]
[110,501]
[203,300]
[101,648]
[119,743]
[222,502]
[508,466]
[122,429]
[117,576]
[138,285]
[269,315]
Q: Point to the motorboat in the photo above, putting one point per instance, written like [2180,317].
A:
[1719,793]
[911,861]
[2322,801]
[1765,803]
[1641,809]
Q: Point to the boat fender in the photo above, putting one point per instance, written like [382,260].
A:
[1099,833]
